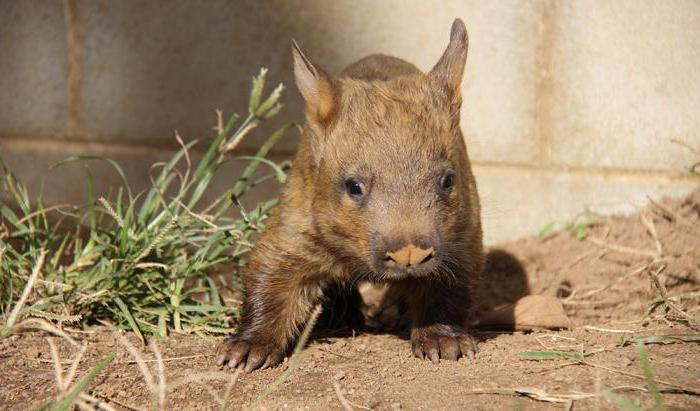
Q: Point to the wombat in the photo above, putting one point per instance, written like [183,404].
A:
[380,190]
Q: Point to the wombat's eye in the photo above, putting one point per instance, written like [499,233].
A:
[354,188]
[447,181]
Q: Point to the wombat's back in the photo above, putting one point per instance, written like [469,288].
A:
[379,67]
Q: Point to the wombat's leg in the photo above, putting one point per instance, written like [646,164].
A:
[277,305]
[438,316]
[381,305]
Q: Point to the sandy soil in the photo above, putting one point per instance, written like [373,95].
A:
[603,282]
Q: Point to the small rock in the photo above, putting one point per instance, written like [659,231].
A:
[339,376]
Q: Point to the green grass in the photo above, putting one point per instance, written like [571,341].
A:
[577,228]
[626,404]
[146,261]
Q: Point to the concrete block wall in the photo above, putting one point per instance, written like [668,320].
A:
[568,105]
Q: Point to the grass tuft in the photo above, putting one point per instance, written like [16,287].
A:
[145,261]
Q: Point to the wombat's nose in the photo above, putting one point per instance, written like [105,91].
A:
[408,256]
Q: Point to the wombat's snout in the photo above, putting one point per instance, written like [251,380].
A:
[406,257]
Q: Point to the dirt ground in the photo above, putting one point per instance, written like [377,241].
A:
[603,281]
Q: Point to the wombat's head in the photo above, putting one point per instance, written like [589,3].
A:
[392,189]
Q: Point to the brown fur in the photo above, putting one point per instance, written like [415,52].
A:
[397,130]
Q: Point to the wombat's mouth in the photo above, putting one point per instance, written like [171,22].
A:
[426,268]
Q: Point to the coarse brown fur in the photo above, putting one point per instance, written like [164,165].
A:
[393,134]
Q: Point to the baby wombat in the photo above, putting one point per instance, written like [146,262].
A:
[381,190]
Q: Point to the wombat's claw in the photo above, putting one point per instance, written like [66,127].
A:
[251,355]
[434,347]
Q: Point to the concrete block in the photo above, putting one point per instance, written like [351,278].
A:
[517,202]
[498,90]
[152,68]
[157,66]
[33,88]
[627,84]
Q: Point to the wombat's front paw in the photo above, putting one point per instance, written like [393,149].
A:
[254,354]
[442,341]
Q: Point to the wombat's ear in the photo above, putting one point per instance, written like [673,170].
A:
[315,86]
[447,73]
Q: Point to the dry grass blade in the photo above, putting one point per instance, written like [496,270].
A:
[161,374]
[74,394]
[623,249]
[651,229]
[292,361]
[43,325]
[57,369]
[14,315]
[607,330]
[147,375]
[534,393]
[223,402]
[74,365]
[640,377]
[666,301]
[341,398]
[119,403]
[94,403]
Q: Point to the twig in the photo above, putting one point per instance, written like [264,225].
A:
[665,211]
[651,229]
[616,282]
[541,395]
[186,357]
[335,353]
[97,404]
[343,401]
[663,296]
[675,218]
[533,393]
[119,403]
[607,330]
[622,249]
[556,367]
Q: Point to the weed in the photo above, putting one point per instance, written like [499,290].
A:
[143,261]
[577,228]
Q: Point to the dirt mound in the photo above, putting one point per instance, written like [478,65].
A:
[618,278]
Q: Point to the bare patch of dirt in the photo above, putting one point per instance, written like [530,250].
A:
[605,282]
